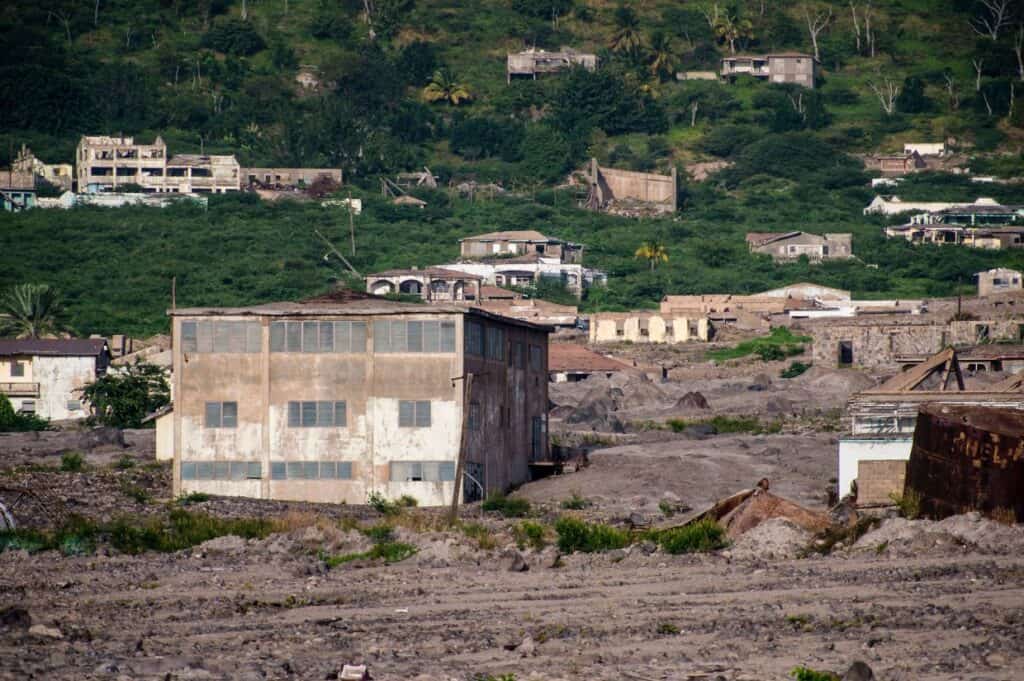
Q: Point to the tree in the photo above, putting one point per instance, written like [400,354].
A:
[123,399]
[626,39]
[887,93]
[32,310]
[546,154]
[994,16]
[817,21]
[913,99]
[662,55]
[445,87]
[653,252]
[730,29]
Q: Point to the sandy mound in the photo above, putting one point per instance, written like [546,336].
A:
[692,400]
[900,536]
[775,539]
[846,381]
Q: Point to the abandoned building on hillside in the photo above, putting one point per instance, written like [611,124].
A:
[106,163]
[43,376]
[341,396]
[570,363]
[631,193]
[648,327]
[432,284]
[60,175]
[982,224]
[524,258]
[999,280]
[882,422]
[17,191]
[889,340]
[531,63]
[288,178]
[780,67]
[895,164]
[785,246]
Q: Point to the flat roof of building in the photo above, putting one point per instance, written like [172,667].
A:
[347,303]
[521,235]
[433,272]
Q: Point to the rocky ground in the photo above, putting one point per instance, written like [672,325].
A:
[916,600]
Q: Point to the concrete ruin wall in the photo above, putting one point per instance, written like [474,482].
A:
[624,185]
[621,327]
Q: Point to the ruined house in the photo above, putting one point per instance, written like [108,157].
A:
[631,193]
[780,67]
[43,376]
[925,148]
[787,246]
[432,284]
[648,327]
[288,178]
[999,280]
[17,190]
[883,420]
[982,224]
[60,175]
[533,62]
[890,340]
[569,363]
[106,163]
[337,397]
[513,243]
[895,164]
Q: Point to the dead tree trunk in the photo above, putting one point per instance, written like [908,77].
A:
[869,37]
[815,25]
[856,25]
[978,63]
[694,105]
[995,15]
[954,96]
[1018,46]
[887,94]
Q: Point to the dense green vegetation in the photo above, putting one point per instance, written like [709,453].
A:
[421,82]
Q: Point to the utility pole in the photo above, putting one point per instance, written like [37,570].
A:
[351,225]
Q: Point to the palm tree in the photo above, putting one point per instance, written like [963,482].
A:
[662,53]
[30,311]
[444,87]
[653,252]
[730,29]
[626,38]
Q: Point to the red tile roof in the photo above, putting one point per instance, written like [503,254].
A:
[572,357]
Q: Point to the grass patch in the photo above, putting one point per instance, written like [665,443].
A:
[72,462]
[484,537]
[701,536]
[192,498]
[507,506]
[726,425]
[181,530]
[667,629]
[808,674]
[575,502]
[909,503]
[382,505]
[380,534]
[389,552]
[529,533]
[124,463]
[577,535]
[779,344]
[139,494]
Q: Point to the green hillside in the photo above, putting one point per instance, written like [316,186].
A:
[205,78]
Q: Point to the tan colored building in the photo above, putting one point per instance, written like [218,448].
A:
[531,63]
[787,246]
[106,163]
[781,67]
[277,178]
[647,327]
[999,280]
[514,243]
[60,175]
[341,396]
[43,375]
[895,164]
[569,363]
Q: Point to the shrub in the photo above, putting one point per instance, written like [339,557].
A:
[577,535]
[382,505]
[481,533]
[72,462]
[15,422]
[808,674]
[389,552]
[701,536]
[406,501]
[794,370]
[380,534]
[721,424]
[124,463]
[506,506]
[529,533]
[575,502]
[909,503]
[192,498]
[667,629]
[139,494]
[233,36]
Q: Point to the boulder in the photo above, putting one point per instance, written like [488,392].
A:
[859,671]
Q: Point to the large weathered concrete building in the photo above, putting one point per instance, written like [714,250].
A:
[334,398]
[781,67]
[432,284]
[647,327]
[531,63]
[43,375]
[631,193]
[999,280]
[514,243]
[105,163]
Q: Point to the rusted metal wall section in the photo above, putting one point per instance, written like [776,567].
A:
[968,459]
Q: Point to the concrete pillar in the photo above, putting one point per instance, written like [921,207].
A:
[702,328]
[681,326]
[631,329]
[656,330]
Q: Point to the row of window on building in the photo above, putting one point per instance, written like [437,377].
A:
[399,471]
[389,336]
[318,414]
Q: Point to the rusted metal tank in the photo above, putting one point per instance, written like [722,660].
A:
[968,459]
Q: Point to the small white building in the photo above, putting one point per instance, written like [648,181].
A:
[44,375]
[925,148]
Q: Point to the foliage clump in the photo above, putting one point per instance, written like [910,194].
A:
[509,507]
[123,399]
[577,535]
[701,536]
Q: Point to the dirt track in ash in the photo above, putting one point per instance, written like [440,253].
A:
[268,610]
